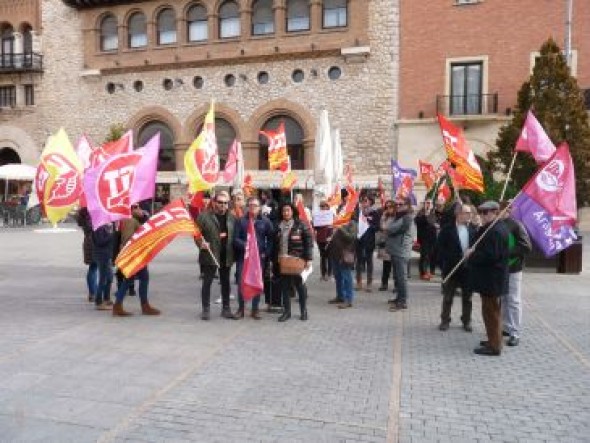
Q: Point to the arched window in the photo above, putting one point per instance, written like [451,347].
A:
[137,30]
[298,15]
[262,17]
[229,20]
[294,133]
[225,135]
[26,31]
[166,158]
[335,13]
[109,36]
[6,45]
[166,27]
[8,156]
[196,21]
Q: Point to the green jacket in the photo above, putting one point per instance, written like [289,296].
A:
[209,226]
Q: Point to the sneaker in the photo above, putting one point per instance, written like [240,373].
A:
[513,341]
[444,326]
[103,307]
[484,350]
[335,301]
[218,301]
[226,313]
[344,305]
[206,315]
[108,303]
[467,327]
[425,277]
[383,288]
[505,334]
[232,297]
[90,298]
[392,301]
[398,307]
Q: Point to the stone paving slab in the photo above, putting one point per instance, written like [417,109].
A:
[70,373]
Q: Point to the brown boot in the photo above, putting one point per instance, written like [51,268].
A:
[359,284]
[255,314]
[118,311]
[146,309]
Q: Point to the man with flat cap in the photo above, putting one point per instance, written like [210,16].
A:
[488,274]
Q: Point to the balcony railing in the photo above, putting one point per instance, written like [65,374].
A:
[471,104]
[28,61]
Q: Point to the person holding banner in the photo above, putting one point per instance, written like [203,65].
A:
[216,252]
[323,234]
[102,254]
[399,247]
[292,238]
[366,243]
[488,274]
[128,228]
[264,236]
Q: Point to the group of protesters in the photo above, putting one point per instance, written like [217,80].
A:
[477,250]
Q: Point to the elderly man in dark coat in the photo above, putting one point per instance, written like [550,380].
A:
[488,264]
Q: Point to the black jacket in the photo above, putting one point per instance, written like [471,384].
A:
[519,244]
[300,242]
[264,236]
[449,248]
[425,228]
[488,265]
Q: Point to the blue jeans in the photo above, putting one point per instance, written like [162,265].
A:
[91,278]
[343,277]
[105,278]
[400,266]
[144,279]
[241,304]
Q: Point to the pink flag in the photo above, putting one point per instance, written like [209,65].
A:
[535,140]
[108,188]
[144,186]
[554,187]
[84,150]
[231,165]
[252,283]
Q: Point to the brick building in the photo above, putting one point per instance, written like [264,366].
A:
[467,59]
[155,65]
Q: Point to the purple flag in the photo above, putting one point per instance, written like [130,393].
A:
[550,237]
[403,181]
[144,186]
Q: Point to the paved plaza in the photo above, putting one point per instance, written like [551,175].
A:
[69,373]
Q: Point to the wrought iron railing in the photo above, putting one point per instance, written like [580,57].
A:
[17,62]
[471,104]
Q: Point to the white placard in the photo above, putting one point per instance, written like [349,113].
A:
[323,217]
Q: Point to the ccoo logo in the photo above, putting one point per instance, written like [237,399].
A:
[549,179]
[114,183]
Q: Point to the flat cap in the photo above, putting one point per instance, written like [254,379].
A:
[489,205]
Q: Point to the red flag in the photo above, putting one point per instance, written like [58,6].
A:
[120,146]
[460,155]
[248,186]
[554,187]
[252,283]
[427,174]
[154,235]
[231,165]
[303,213]
[277,148]
[345,215]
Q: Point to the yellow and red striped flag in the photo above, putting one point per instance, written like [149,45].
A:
[345,215]
[154,235]
[460,155]
[278,157]
[201,160]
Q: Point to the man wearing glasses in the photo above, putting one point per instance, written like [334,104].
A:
[217,227]
[488,274]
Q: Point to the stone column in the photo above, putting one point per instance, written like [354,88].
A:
[245,24]
[179,150]
[213,23]
[316,15]
[280,15]
[308,153]
[250,152]
[152,35]
[17,50]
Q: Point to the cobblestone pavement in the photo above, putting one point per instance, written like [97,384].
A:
[71,374]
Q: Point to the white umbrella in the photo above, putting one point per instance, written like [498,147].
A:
[323,170]
[16,171]
[337,161]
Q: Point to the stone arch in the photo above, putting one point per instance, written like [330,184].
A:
[218,4]
[221,111]
[21,142]
[130,12]
[190,4]
[278,107]
[156,12]
[159,113]
[100,17]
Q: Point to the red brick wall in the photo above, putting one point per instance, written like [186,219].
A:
[506,31]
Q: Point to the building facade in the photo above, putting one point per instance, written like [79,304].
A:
[156,65]
[467,59]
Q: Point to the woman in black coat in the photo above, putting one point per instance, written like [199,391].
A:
[83,220]
[293,238]
[102,253]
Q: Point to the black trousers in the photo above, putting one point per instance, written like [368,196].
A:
[290,283]
[325,262]
[427,261]
[457,280]
[208,275]
[364,262]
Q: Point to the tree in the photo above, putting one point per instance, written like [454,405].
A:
[116,131]
[553,95]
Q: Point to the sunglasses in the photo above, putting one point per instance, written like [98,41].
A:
[484,211]
[222,202]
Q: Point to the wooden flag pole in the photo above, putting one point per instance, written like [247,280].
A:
[508,176]
[490,226]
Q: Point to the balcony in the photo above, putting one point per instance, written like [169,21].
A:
[465,105]
[23,62]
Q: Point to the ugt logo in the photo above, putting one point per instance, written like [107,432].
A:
[114,183]
[68,184]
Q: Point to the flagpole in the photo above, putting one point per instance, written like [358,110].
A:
[490,226]
[508,176]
